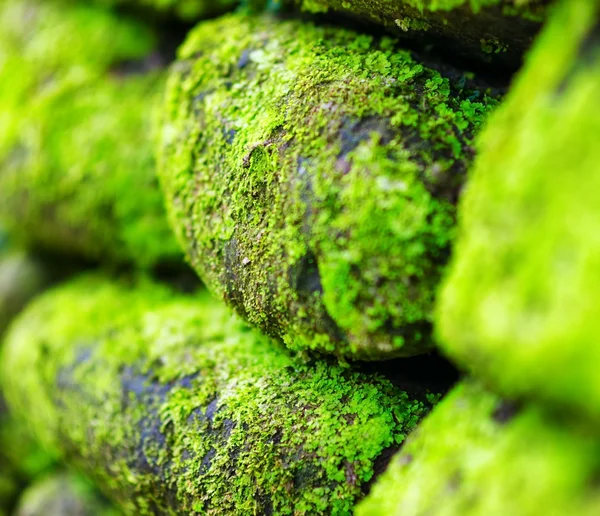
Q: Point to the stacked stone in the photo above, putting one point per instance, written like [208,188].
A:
[518,308]
[312,175]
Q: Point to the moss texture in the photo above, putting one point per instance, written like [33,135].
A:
[63,494]
[311,175]
[492,30]
[476,455]
[175,408]
[76,168]
[520,307]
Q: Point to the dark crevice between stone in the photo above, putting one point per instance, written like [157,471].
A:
[170,34]
[177,275]
[419,376]
[380,466]
[588,56]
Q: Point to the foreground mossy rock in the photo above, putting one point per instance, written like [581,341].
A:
[520,306]
[172,407]
[76,167]
[312,174]
[63,494]
[498,30]
[476,455]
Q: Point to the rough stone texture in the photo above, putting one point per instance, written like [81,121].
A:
[490,30]
[77,175]
[311,175]
[63,494]
[520,307]
[175,408]
[476,455]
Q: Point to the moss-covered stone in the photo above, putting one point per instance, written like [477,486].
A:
[476,455]
[175,408]
[492,30]
[520,306]
[63,494]
[76,167]
[311,174]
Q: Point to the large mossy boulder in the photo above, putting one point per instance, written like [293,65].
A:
[173,407]
[311,175]
[520,307]
[77,174]
[477,455]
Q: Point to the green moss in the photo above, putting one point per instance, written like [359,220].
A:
[465,25]
[475,456]
[311,174]
[175,408]
[76,167]
[63,494]
[520,306]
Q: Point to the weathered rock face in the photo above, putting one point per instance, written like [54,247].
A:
[498,31]
[476,455]
[175,408]
[63,494]
[520,306]
[311,175]
[77,87]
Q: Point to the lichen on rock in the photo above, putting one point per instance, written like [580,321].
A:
[520,306]
[311,175]
[173,407]
[478,455]
[77,175]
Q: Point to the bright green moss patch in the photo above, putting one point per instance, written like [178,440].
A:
[311,175]
[76,166]
[520,306]
[175,408]
[476,28]
[475,455]
[63,494]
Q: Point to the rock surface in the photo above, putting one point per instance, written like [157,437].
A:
[172,407]
[311,175]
